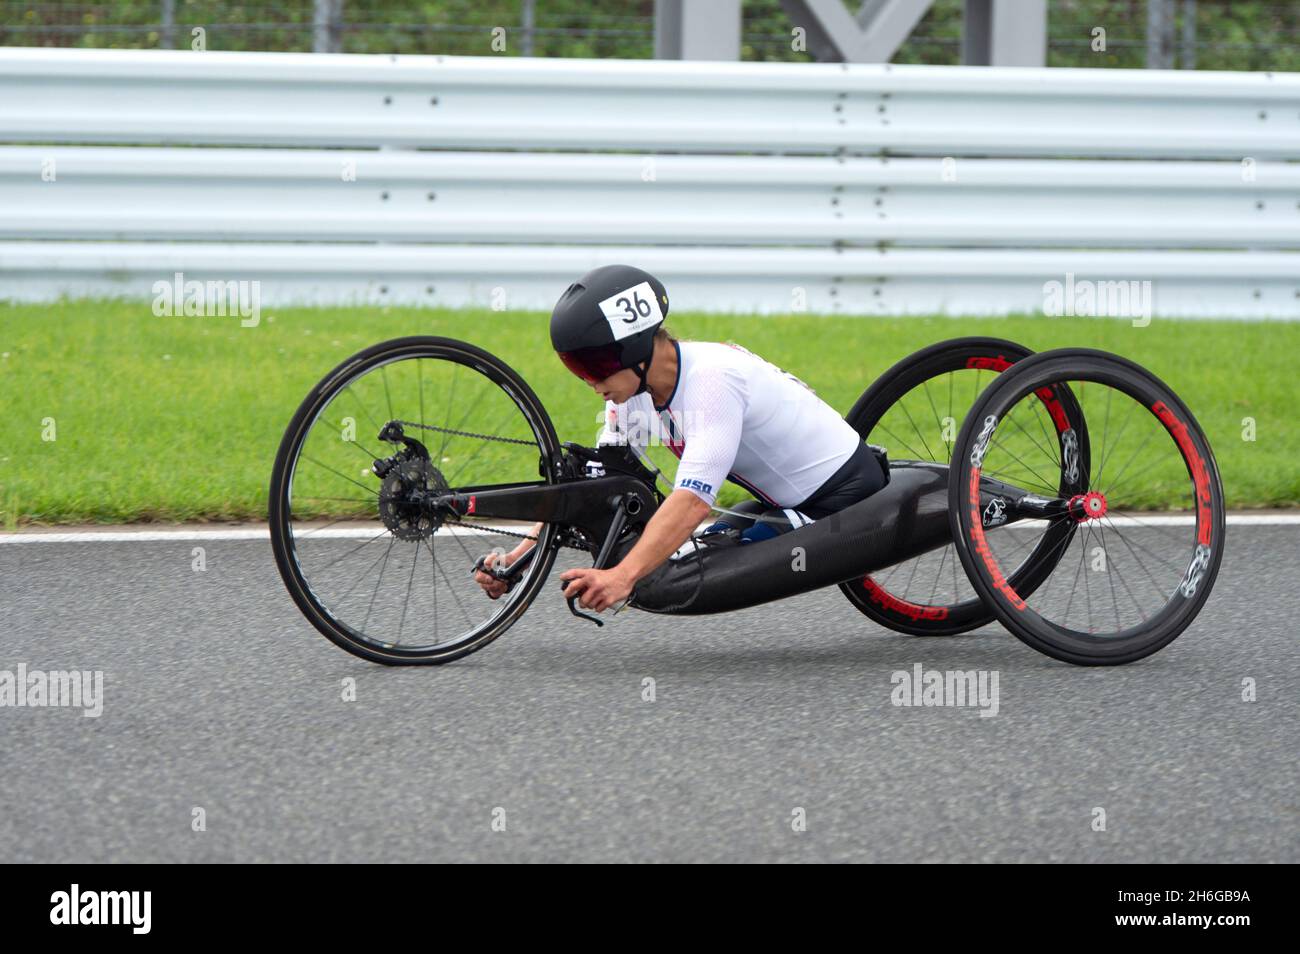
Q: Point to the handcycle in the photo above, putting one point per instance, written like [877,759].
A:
[1005,501]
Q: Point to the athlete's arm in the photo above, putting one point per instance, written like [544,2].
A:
[614,431]
[674,521]
[712,435]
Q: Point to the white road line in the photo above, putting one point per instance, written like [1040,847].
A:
[358,533]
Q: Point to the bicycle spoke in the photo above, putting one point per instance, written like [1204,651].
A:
[419,386]
[951,379]
[934,410]
[938,575]
[1181,486]
[431,543]
[910,449]
[415,558]
[917,430]
[1087,580]
[1108,454]
[381,533]
[314,530]
[380,579]
[383,374]
[353,441]
[1124,540]
[455,375]
[1128,515]
[364,410]
[956,588]
[1042,481]
[1148,552]
[437,566]
[1083,553]
[1053,459]
[1124,583]
[339,473]
[1108,491]
[916,564]
[1110,576]
[348,592]
[1039,409]
[338,499]
[461,544]
[1104,427]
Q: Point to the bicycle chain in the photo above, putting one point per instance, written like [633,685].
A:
[509,533]
[482,437]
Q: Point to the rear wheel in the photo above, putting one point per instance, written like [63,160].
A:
[1128,581]
[915,409]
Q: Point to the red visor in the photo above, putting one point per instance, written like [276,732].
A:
[594,364]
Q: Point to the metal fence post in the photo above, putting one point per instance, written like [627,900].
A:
[526,26]
[167,37]
[1188,56]
[327,17]
[1160,34]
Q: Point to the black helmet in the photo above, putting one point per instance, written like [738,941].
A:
[606,321]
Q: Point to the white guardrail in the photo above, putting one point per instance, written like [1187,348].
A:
[870,189]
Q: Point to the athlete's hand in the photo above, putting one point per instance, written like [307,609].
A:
[493,587]
[597,589]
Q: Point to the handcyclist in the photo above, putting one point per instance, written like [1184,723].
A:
[726,413]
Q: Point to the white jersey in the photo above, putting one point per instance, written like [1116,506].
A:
[733,415]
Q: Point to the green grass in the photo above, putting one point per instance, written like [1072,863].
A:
[180,418]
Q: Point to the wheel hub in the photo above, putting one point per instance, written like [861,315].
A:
[1089,506]
[401,498]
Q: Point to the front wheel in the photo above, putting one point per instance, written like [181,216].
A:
[367,564]
[1128,580]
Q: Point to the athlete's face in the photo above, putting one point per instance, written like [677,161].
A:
[618,387]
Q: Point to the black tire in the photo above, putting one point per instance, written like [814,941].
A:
[1160,414]
[875,600]
[339,632]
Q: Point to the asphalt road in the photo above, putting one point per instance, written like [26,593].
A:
[219,696]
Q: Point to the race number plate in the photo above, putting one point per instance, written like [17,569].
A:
[631,310]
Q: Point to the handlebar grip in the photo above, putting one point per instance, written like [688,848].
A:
[503,572]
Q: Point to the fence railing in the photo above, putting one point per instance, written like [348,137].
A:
[767,187]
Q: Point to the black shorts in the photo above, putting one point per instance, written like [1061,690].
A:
[857,479]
